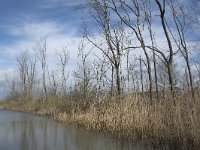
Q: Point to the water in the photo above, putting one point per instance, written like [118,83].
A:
[23,131]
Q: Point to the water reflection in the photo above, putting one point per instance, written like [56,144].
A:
[22,131]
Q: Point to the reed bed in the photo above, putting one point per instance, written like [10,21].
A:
[168,120]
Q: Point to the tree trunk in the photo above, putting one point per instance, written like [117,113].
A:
[155,73]
[141,77]
[190,78]
[118,79]
[170,76]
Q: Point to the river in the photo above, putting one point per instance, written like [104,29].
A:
[24,131]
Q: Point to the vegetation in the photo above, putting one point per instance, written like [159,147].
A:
[153,96]
[134,117]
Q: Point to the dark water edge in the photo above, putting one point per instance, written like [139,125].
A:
[24,131]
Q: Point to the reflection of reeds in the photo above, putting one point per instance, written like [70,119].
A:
[132,117]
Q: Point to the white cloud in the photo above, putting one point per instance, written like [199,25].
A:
[54,44]
[57,35]
[6,73]
[29,33]
[61,3]
[35,29]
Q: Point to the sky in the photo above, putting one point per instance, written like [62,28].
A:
[24,22]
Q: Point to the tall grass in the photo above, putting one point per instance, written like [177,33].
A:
[134,117]
[174,120]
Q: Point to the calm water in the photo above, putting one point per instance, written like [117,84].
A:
[22,131]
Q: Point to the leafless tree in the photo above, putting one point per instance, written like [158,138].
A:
[148,20]
[41,52]
[112,35]
[31,74]
[133,74]
[14,92]
[100,70]
[23,65]
[63,56]
[181,21]
[132,14]
[83,74]
[27,72]
[53,84]
[167,58]
[128,69]
[141,75]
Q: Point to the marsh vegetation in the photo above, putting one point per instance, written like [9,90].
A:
[131,80]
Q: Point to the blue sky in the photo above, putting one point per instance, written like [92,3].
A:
[23,22]
[16,13]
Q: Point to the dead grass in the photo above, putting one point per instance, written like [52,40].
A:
[133,117]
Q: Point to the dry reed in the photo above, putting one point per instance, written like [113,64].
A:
[133,117]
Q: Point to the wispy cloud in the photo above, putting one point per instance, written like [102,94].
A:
[54,44]
[36,29]
[58,30]
[62,3]
[25,23]
[56,34]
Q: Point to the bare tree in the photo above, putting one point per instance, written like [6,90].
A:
[133,74]
[83,74]
[27,70]
[182,24]
[128,70]
[141,76]
[14,92]
[100,69]
[168,60]
[53,84]
[23,65]
[31,74]
[113,35]
[148,19]
[41,51]
[63,56]
[132,14]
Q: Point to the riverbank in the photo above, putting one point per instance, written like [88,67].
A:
[133,118]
